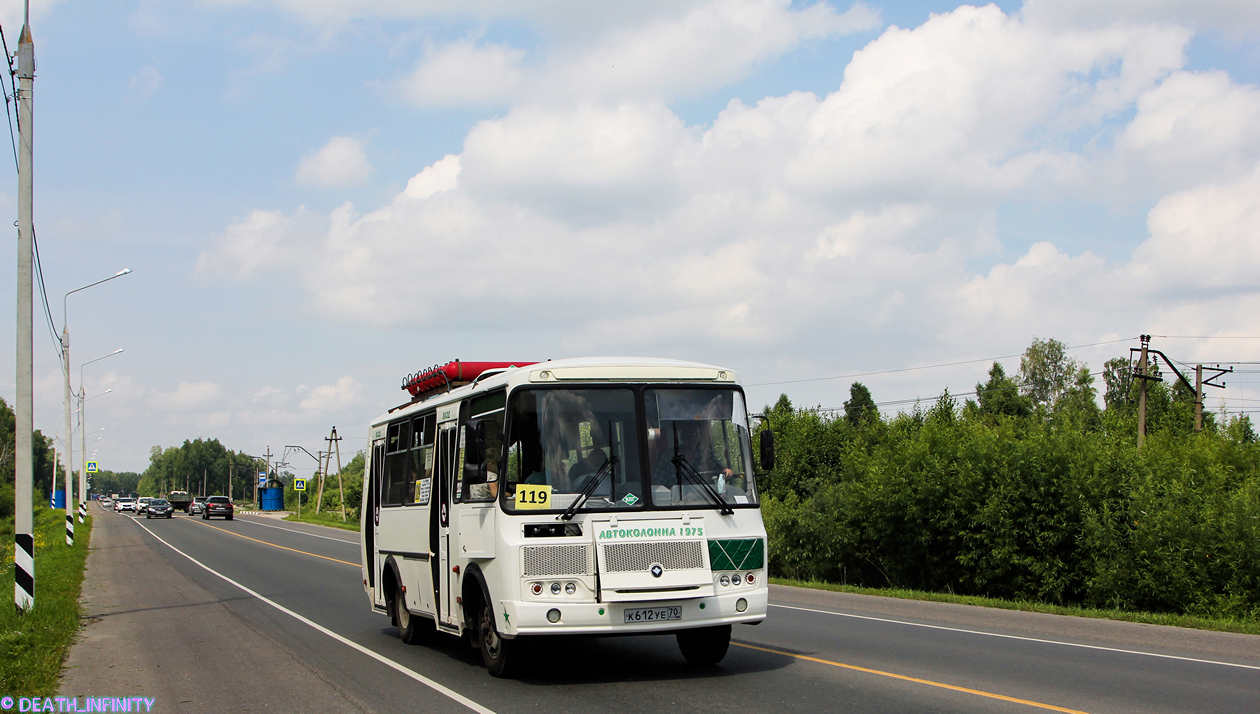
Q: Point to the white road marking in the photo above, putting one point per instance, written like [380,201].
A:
[313,535]
[1017,637]
[441,689]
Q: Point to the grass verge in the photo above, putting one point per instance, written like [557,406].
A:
[1246,627]
[34,645]
[326,519]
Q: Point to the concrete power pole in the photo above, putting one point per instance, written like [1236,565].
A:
[23,461]
[1198,398]
[1141,440]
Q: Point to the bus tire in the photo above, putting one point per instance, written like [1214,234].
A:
[408,624]
[500,656]
[705,646]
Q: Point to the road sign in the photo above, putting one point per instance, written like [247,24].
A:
[92,467]
[299,484]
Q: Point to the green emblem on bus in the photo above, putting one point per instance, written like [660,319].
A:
[630,499]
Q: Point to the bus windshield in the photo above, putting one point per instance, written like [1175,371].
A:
[566,445]
[698,447]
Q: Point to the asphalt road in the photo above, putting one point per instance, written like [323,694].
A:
[287,626]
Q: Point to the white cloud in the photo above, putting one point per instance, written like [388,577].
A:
[1232,17]
[12,14]
[679,51]
[144,83]
[813,223]
[187,396]
[261,240]
[464,73]
[346,391]
[340,162]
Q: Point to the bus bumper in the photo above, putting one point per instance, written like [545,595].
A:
[530,618]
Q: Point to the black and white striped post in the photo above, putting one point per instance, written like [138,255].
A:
[24,571]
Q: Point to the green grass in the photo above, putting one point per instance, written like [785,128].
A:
[33,646]
[1246,627]
[326,518]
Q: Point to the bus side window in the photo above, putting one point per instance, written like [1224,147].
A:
[396,466]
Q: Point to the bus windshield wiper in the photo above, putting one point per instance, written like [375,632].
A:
[604,469]
[684,467]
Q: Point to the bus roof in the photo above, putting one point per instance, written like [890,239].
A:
[577,369]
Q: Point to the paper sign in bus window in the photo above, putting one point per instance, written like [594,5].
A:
[531,496]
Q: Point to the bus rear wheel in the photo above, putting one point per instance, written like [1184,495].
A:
[500,656]
[705,646]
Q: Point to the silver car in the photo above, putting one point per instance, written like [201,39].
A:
[197,506]
[143,504]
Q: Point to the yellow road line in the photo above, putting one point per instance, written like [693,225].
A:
[916,680]
[273,545]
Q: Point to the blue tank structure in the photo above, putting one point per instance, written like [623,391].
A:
[272,496]
[58,499]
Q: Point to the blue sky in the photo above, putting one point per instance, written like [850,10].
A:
[320,196]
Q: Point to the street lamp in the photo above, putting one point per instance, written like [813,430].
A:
[82,429]
[65,368]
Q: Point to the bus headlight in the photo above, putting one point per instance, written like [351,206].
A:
[726,582]
[740,605]
[569,588]
[553,615]
[555,590]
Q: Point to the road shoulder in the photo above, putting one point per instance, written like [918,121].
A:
[151,631]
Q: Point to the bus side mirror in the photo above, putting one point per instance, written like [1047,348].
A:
[767,449]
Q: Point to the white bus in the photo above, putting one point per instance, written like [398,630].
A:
[581,496]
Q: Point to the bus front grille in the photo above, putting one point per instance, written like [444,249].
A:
[549,560]
[672,554]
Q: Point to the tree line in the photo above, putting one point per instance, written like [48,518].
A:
[1030,491]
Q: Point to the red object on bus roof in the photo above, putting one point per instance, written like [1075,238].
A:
[438,376]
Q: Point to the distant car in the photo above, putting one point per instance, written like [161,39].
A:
[125,504]
[142,504]
[217,506]
[158,508]
[197,506]
[106,502]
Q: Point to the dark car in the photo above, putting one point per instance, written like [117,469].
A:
[158,508]
[218,506]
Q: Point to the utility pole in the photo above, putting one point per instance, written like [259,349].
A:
[230,478]
[203,482]
[334,442]
[1141,440]
[1198,398]
[24,423]
[322,469]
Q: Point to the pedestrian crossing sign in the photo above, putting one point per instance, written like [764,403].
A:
[92,467]
[299,484]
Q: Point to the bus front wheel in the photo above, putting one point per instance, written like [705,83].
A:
[500,655]
[705,646]
[408,624]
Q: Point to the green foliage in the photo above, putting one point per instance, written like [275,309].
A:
[1055,506]
[201,467]
[41,462]
[1046,372]
[860,408]
[34,644]
[1000,395]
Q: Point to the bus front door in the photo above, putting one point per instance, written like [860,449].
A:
[371,532]
[445,580]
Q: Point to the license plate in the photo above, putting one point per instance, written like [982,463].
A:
[653,614]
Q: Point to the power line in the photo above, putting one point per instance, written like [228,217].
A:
[926,366]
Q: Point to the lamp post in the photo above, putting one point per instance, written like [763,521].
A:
[65,368]
[82,435]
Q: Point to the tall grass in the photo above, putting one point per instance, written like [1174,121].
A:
[33,645]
